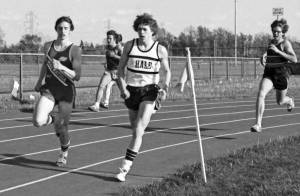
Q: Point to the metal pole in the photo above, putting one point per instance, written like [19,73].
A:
[21,76]
[255,70]
[227,70]
[210,69]
[235,36]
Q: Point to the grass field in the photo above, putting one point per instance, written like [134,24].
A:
[205,89]
[270,169]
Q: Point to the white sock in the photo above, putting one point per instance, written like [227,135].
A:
[126,164]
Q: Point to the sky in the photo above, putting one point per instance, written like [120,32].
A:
[92,18]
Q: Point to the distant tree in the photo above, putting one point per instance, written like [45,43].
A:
[165,37]
[30,43]
[260,44]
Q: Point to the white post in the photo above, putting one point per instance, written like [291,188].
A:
[191,76]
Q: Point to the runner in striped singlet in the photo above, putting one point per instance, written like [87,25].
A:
[143,57]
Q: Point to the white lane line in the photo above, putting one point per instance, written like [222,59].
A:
[121,157]
[18,126]
[114,116]
[164,106]
[125,136]
[127,123]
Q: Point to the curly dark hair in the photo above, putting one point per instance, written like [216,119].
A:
[145,19]
[64,19]
[280,23]
[113,33]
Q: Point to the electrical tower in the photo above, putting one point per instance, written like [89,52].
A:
[31,23]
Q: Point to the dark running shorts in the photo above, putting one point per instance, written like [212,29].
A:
[140,94]
[59,93]
[279,77]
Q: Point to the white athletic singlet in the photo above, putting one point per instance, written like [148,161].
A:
[143,66]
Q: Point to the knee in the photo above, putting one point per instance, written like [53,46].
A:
[138,132]
[38,122]
[60,125]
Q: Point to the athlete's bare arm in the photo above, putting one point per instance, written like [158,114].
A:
[121,71]
[288,52]
[43,68]
[114,55]
[163,55]
[76,63]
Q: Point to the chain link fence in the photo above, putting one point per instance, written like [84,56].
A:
[25,68]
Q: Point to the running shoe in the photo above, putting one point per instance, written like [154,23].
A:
[103,105]
[123,171]
[291,105]
[256,128]
[121,175]
[94,108]
[62,159]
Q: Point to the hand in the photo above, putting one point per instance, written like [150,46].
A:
[125,94]
[274,48]
[37,87]
[57,64]
[110,53]
[114,74]
[263,59]
[162,94]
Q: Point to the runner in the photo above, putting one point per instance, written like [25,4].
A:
[113,55]
[143,58]
[275,75]
[65,57]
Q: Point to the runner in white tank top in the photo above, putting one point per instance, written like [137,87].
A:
[143,58]
[143,66]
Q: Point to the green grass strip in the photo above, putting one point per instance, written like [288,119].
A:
[269,169]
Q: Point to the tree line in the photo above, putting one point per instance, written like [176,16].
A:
[201,40]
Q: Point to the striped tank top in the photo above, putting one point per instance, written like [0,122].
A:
[143,66]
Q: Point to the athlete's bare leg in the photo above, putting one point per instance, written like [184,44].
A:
[139,124]
[62,121]
[265,86]
[42,110]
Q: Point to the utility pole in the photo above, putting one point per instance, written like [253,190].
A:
[235,36]
[108,24]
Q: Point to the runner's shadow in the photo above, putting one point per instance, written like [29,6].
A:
[106,176]
[27,110]
[19,160]
[99,124]
[189,131]
[51,166]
